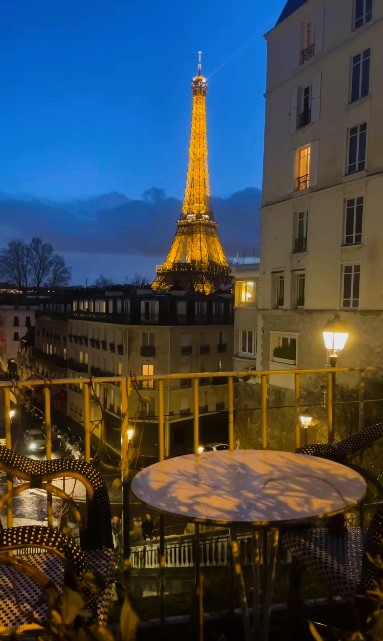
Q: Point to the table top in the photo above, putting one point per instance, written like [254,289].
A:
[248,486]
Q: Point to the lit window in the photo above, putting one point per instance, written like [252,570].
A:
[246,342]
[362,12]
[360,75]
[351,282]
[353,220]
[147,370]
[302,180]
[245,292]
[357,143]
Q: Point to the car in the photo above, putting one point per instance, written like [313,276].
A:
[212,447]
[35,440]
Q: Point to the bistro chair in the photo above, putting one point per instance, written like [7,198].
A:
[340,556]
[34,557]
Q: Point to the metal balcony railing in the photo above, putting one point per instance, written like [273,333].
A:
[307,53]
[302,182]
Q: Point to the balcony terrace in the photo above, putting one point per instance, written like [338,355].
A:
[173,550]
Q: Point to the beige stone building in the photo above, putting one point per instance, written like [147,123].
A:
[118,333]
[322,228]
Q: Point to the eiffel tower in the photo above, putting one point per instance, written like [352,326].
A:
[196,261]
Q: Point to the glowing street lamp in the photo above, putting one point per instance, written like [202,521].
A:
[335,335]
[130,433]
[305,421]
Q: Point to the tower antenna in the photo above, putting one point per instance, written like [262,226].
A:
[200,63]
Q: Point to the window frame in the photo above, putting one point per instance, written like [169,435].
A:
[351,206]
[366,14]
[359,162]
[243,340]
[352,269]
[302,180]
[358,70]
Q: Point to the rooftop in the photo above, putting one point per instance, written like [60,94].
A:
[289,8]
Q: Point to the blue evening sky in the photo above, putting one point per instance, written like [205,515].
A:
[95,94]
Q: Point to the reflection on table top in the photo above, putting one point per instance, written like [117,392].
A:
[248,486]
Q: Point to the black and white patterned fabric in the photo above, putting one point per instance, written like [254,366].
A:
[22,600]
[343,560]
[98,532]
[336,560]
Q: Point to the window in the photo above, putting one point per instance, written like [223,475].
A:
[246,342]
[300,231]
[299,280]
[307,43]
[353,220]
[181,310]
[283,348]
[27,321]
[147,370]
[351,280]
[305,103]
[15,321]
[147,339]
[357,142]
[362,12]
[200,309]
[360,75]
[303,168]
[278,289]
[15,336]
[149,310]
[245,292]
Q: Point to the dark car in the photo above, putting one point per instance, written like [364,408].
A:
[35,440]
[212,447]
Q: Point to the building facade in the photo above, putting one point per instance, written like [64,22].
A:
[323,184]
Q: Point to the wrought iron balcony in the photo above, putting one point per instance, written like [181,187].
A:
[221,348]
[204,349]
[186,350]
[302,182]
[304,118]
[147,350]
[300,244]
[307,53]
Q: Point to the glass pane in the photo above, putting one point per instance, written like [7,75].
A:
[352,150]
[250,342]
[355,80]
[365,73]
[362,149]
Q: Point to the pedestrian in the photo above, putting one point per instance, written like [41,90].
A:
[116,532]
[136,533]
[147,527]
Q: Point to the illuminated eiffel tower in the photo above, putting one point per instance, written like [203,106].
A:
[196,261]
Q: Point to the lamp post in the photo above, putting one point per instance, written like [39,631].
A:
[305,420]
[335,335]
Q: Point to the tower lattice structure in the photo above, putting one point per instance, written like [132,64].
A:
[196,261]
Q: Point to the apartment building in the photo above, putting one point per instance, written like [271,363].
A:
[138,332]
[322,227]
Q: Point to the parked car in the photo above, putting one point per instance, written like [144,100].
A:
[212,447]
[35,440]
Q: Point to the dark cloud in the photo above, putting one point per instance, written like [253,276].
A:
[114,224]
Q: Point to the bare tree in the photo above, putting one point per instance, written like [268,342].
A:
[103,281]
[14,264]
[139,280]
[59,275]
[33,265]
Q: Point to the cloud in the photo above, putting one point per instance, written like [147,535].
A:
[116,225]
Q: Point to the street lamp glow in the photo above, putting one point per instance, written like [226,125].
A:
[130,434]
[335,335]
[305,419]
[12,413]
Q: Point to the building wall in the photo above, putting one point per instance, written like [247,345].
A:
[326,255]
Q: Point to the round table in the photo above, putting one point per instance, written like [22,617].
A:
[262,488]
[259,487]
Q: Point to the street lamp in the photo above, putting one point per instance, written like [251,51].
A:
[305,420]
[335,335]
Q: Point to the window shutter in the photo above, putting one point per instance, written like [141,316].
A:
[293,109]
[314,154]
[315,97]
[318,30]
